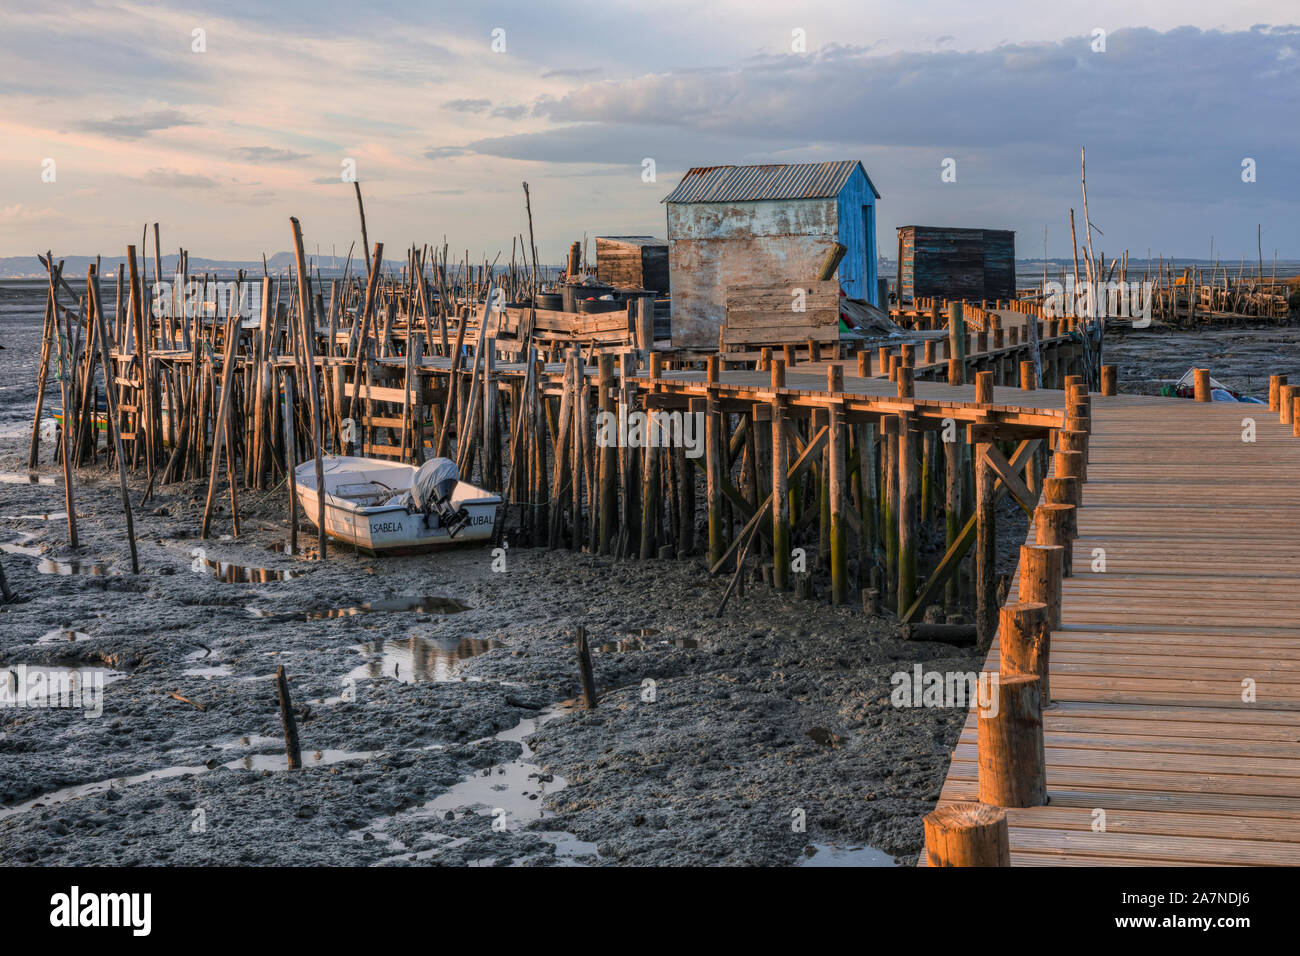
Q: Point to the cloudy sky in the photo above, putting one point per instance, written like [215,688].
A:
[114,104]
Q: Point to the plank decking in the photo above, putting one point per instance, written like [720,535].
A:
[1201,535]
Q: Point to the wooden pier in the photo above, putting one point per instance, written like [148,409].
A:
[1171,736]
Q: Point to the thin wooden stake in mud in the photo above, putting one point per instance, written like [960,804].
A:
[585,671]
[307,324]
[110,395]
[291,747]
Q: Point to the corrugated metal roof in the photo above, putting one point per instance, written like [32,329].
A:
[758,183]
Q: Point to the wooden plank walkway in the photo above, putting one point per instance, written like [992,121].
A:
[1201,536]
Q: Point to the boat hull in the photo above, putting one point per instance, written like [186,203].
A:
[384,529]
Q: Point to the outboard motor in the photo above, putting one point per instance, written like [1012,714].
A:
[431,491]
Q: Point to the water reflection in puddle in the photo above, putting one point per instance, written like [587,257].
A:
[402,602]
[231,573]
[59,637]
[38,685]
[25,478]
[418,660]
[207,673]
[516,788]
[312,758]
[71,566]
[286,548]
[643,639]
[832,854]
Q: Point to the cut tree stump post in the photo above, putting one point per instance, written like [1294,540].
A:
[1055,525]
[1040,578]
[1202,384]
[1024,637]
[1108,380]
[967,834]
[1012,763]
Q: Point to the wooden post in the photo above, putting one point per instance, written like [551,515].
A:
[1054,526]
[953,468]
[908,498]
[983,388]
[1286,401]
[308,325]
[1202,379]
[1069,442]
[110,398]
[967,834]
[986,546]
[585,671]
[864,364]
[1295,417]
[1012,763]
[837,490]
[607,403]
[715,460]
[1275,383]
[1024,639]
[780,488]
[291,748]
[956,345]
[1040,578]
[1108,380]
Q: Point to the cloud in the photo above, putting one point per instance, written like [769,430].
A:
[167,178]
[446,152]
[468,105]
[572,73]
[510,112]
[137,125]
[267,154]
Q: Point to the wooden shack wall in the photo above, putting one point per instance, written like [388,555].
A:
[856,215]
[632,264]
[972,264]
[714,245]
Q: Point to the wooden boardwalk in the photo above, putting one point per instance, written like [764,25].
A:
[1201,538]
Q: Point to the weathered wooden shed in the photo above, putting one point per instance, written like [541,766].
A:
[751,225]
[636,262]
[947,263]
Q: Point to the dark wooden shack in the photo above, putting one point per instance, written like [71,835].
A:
[945,263]
[635,262]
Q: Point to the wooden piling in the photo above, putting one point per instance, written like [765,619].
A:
[1012,762]
[1024,639]
[1055,526]
[967,834]
[1040,578]
[1202,384]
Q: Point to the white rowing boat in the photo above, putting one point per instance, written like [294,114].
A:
[368,505]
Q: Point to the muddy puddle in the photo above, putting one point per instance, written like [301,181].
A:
[232,573]
[511,793]
[259,762]
[26,478]
[417,659]
[418,604]
[62,637]
[831,854]
[72,566]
